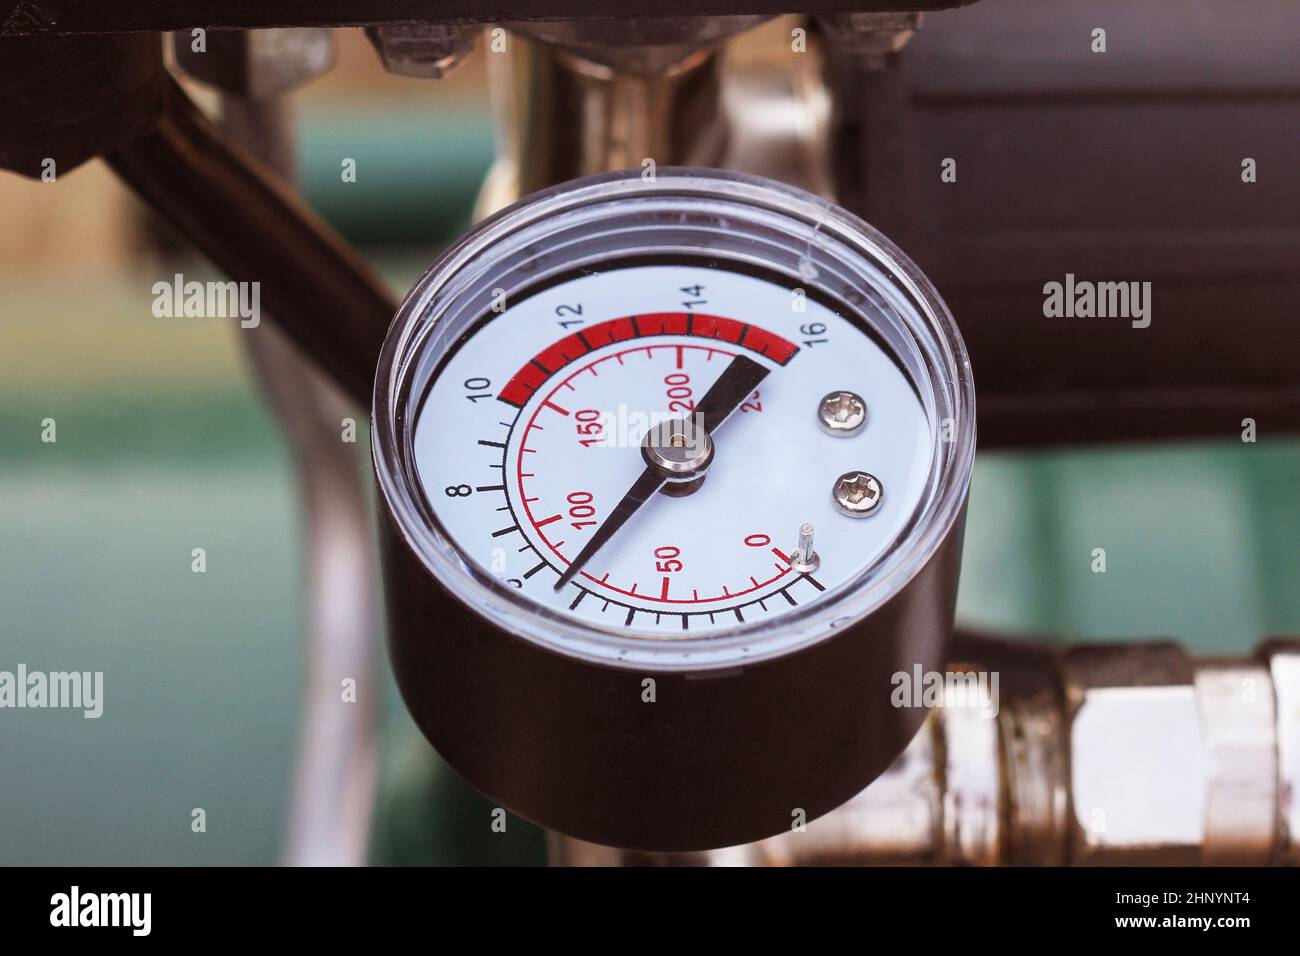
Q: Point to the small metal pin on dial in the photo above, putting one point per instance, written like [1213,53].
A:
[857,493]
[842,413]
[805,559]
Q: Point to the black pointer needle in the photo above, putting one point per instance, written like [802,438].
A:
[642,490]
[737,381]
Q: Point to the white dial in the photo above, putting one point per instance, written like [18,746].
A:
[531,429]
[701,430]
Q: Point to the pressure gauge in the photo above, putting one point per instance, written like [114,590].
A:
[673,473]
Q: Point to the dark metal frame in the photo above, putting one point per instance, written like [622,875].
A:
[20,18]
[1223,349]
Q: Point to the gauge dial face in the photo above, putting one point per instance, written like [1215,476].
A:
[530,446]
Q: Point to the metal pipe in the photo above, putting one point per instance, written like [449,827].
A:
[1095,755]
[336,765]
[256,230]
[576,98]
[563,116]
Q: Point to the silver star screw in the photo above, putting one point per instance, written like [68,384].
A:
[857,493]
[842,414]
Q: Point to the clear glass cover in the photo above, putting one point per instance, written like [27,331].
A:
[481,332]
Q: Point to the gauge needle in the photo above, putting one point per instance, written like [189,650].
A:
[736,383]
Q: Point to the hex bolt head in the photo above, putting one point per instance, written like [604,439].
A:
[858,493]
[429,50]
[842,414]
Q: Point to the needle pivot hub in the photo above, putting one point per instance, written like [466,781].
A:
[680,450]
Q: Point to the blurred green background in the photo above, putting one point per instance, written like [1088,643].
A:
[164,445]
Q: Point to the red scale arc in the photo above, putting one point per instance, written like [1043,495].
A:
[554,357]
[539,523]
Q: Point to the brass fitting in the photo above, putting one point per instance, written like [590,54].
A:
[1127,754]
